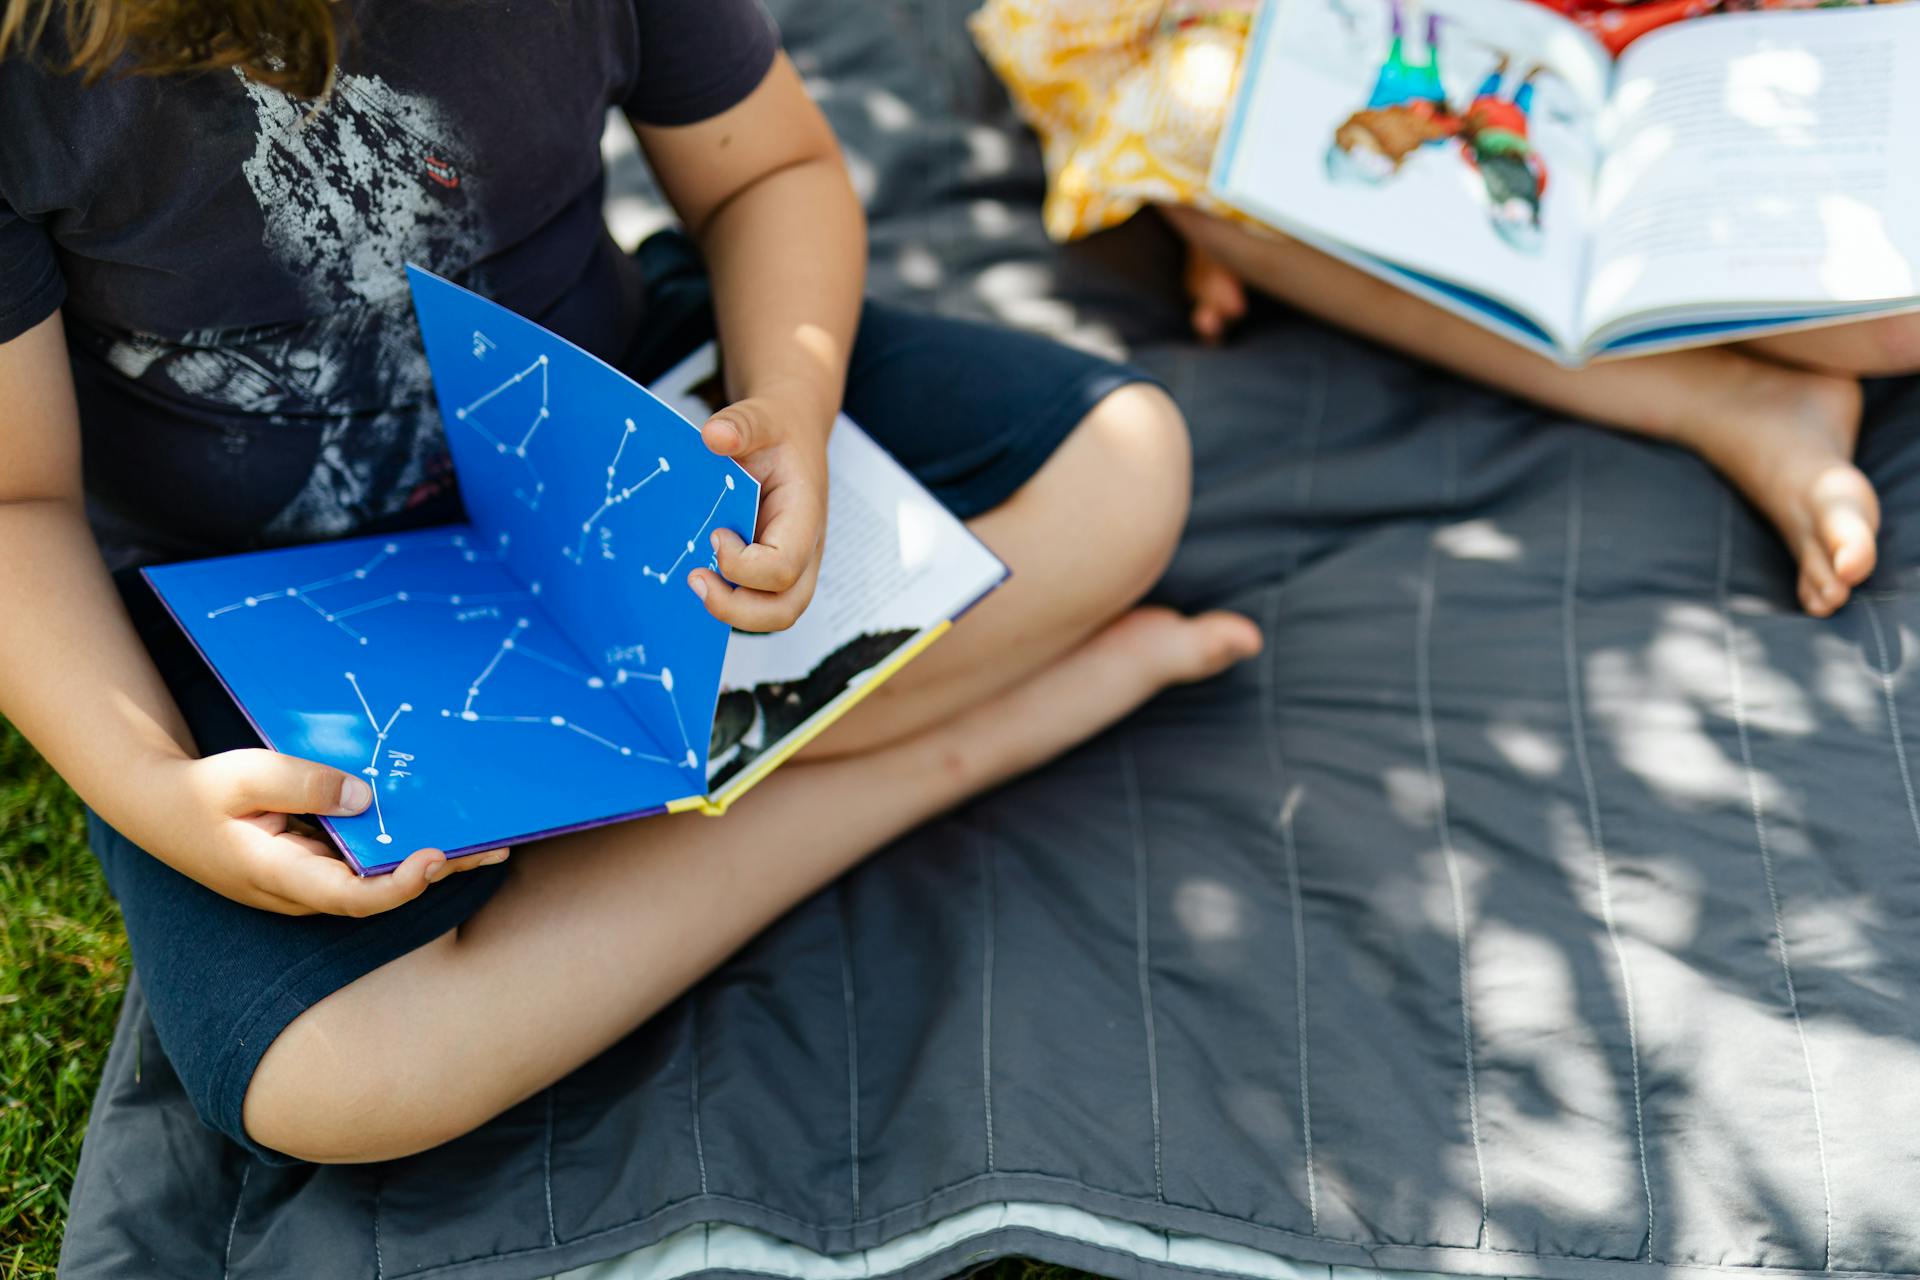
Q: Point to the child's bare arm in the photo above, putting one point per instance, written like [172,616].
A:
[763,188]
[76,681]
[74,678]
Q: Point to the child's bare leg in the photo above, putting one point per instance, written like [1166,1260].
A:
[1876,348]
[1784,436]
[1086,537]
[594,933]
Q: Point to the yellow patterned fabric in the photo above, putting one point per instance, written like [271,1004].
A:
[1128,97]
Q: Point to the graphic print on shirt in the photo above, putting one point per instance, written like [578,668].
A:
[348,195]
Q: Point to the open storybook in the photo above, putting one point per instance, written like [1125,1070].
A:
[1726,176]
[545,667]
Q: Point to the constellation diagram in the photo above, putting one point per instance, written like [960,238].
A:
[380,732]
[578,552]
[661,576]
[615,494]
[469,413]
[307,593]
[664,678]
[512,645]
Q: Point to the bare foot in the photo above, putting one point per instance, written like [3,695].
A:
[1219,298]
[1785,437]
[1151,647]
[1089,689]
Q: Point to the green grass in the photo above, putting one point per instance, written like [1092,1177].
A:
[63,967]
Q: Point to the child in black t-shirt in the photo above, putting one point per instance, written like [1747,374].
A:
[202,299]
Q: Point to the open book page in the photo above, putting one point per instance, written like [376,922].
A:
[600,498]
[422,663]
[897,568]
[1760,164]
[1453,139]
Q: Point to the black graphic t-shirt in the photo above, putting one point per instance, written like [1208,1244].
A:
[230,261]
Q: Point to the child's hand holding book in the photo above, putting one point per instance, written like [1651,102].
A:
[229,822]
[780,437]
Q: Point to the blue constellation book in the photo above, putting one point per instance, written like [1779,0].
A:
[545,667]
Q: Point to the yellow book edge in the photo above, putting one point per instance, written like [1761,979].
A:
[750,777]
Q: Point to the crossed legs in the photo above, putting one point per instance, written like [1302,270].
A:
[623,919]
[1777,416]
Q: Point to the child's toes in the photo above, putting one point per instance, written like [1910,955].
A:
[1165,648]
[1208,324]
[1820,588]
[1218,640]
[1229,295]
[1820,591]
[1219,298]
[1847,518]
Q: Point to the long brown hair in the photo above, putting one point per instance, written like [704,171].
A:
[289,44]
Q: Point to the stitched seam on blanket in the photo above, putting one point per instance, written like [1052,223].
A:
[1290,857]
[1143,960]
[693,1084]
[1885,673]
[1443,828]
[546,1171]
[853,1051]
[1723,579]
[233,1223]
[986,996]
[1603,875]
[379,1263]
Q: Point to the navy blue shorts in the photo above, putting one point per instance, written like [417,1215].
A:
[972,411]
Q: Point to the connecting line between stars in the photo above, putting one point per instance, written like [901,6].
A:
[613,498]
[511,644]
[663,576]
[337,616]
[665,680]
[380,732]
[467,413]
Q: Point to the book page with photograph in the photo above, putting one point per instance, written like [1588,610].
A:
[1455,139]
[1760,165]
[898,567]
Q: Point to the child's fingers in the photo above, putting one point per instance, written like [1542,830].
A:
[332,887]
[788,539]
[472,862]
[260,781]
[748,610]
[758,566]
[305,872]
[740,428]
